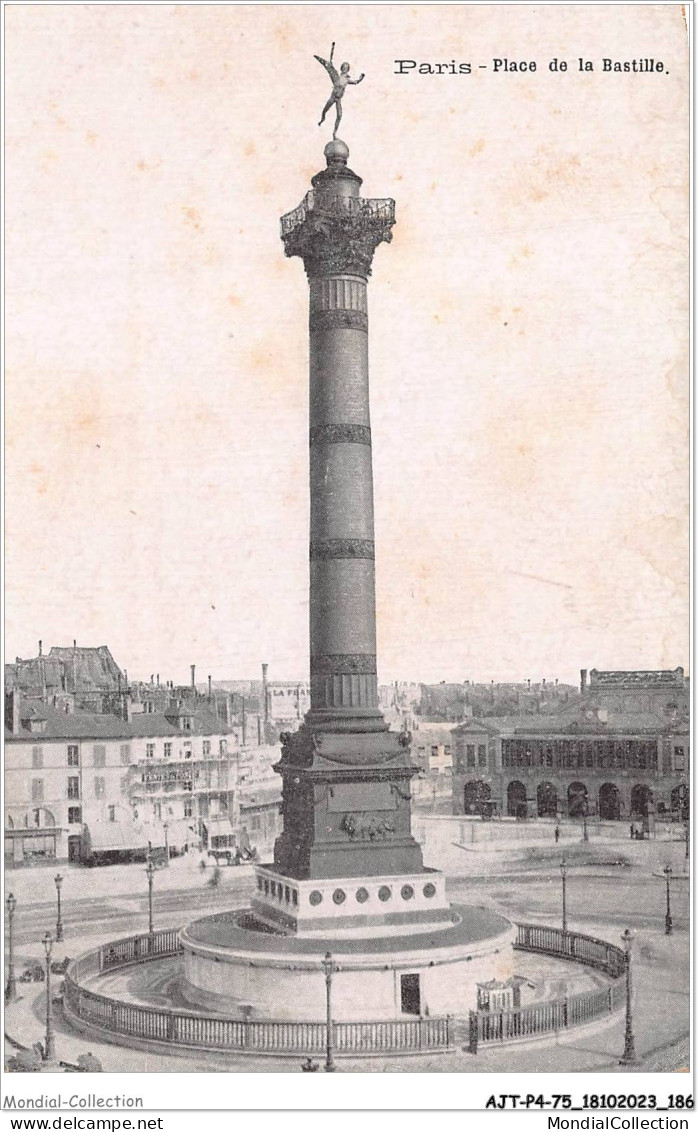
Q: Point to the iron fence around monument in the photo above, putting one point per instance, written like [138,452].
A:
[199,1031]
[543,1018]
[586,949]
[137,948]
[411,1035]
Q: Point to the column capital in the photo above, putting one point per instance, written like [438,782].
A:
[339,236]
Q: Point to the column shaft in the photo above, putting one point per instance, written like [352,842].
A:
[342,567]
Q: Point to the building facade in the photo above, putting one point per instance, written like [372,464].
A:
[664,691]
[70,774]
[584,762]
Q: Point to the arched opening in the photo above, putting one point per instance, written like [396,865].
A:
[680,802]
[609,802]
[40,818]
[577,800]
[474,795]
[516,800]
[546,797]
[640,800]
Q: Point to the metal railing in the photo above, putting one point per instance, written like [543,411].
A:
[189,1029]
[379,210]
[561,944]
[543,1017]
[558,1014]
[137,948]
[193,1030]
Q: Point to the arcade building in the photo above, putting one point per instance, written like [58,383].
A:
[589,761]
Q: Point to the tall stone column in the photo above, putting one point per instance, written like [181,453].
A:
[346,796]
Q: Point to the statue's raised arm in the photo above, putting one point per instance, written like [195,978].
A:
[328,65]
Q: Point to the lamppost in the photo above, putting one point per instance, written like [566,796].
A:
[58,881]
[329,969]
[628,1057]
[11,985]
[150,873]
[668,922]
[49,1045]
[687,839]
[167,846]
[585,815]
[563,873]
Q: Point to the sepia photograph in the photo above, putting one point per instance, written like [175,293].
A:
[347,633]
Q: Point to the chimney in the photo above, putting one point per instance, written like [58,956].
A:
[259,731]
[582,680]
[125,677]
[157,679]
[12,711]
[529,685]
[75,666]
[209,687]
[151,678]
[244,723]
[193,676]
[40,644]
[265,694]
[128,708]
[227,708]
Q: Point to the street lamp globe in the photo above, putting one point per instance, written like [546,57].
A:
[58,881]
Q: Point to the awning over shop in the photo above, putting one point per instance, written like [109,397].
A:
[117,837]
[219,827]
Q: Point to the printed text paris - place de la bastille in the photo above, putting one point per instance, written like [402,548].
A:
[504,66]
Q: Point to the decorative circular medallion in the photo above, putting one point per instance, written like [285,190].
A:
[429,890]
[315,897]
[362,895]
[384,893]
[339,895]
[407,892]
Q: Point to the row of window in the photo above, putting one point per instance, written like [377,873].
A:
[99,753]
[74,787]
[99,756]
[125,753]
[205,749]
[574,754]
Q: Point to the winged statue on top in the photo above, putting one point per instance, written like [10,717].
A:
[340,81]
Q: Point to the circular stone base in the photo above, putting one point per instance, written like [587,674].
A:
[229,963]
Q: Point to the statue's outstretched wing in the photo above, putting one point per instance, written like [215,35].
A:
[329,67]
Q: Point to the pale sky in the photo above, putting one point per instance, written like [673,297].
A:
[528,335]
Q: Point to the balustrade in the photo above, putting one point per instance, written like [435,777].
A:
[571,945]
[559,1014]
[186,1028]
